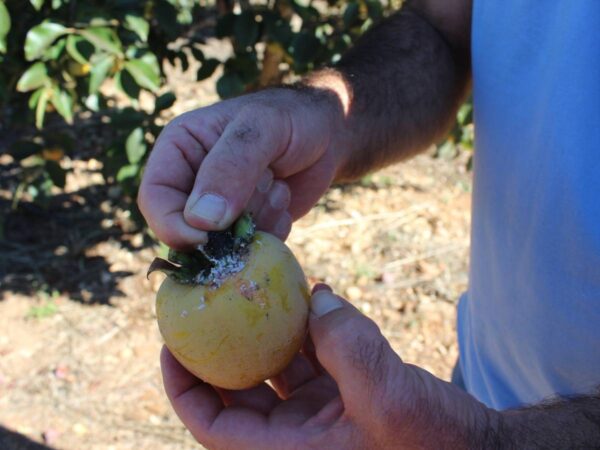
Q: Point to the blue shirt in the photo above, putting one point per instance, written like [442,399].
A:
[529,325]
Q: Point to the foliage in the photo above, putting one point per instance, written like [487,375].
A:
[462,135]
[68,62]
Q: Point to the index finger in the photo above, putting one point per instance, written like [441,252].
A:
[250,143]
[169,177]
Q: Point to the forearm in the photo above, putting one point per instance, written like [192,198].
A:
[566,423]
[399,88]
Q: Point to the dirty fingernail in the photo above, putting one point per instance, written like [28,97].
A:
[210,207]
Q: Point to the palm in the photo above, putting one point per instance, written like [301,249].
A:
[300,400]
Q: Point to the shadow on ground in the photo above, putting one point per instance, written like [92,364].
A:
[50,248]
[11,440]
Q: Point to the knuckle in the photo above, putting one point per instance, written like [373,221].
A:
[246,129]
[271,117]
[236,159]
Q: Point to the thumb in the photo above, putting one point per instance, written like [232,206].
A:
[227,177]
[353,351]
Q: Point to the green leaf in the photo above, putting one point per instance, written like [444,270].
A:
[33,78]
[128,171]
[245,30]
[278,30]
[166,16]
[40,109]
[126,118]
[224,27]
[465,114]
[143,74]
[127,84]
[138,25]
[305,47]
[54,51]
[40,37]
[366,25]
[33,98]
[103,38]
[151,60]
[37,4]
[230,85]
[79,49]
[164,101]
[99,71]
[4,26]
[351,14]
[57,174]
[207,68]
[135,146]
[374,9]
[92,102]
[63,102]
[245,65]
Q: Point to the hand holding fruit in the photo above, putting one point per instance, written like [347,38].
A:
[359,394]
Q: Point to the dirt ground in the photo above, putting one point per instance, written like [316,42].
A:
[79,356]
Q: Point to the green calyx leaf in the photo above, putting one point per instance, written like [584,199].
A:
[184,268]
[195,266]
[244,228]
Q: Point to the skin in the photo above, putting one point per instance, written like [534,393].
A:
[275,153]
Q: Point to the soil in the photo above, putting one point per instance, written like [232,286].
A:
[79,343]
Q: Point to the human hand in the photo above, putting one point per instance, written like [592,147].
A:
[357,393]
[267,153]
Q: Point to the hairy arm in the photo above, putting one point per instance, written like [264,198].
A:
[565,423]
[400,85]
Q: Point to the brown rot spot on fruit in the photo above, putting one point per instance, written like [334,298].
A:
[248,289]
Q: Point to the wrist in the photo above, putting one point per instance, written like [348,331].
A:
[495,431]
[329,88]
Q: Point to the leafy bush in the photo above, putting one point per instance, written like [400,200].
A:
[63,62]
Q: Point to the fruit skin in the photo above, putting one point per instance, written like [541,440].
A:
[246,330]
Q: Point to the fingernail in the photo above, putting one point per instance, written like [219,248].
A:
[324,302]
[283,225]
[279,197]
[265,181]
[320,287]
[210,207]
